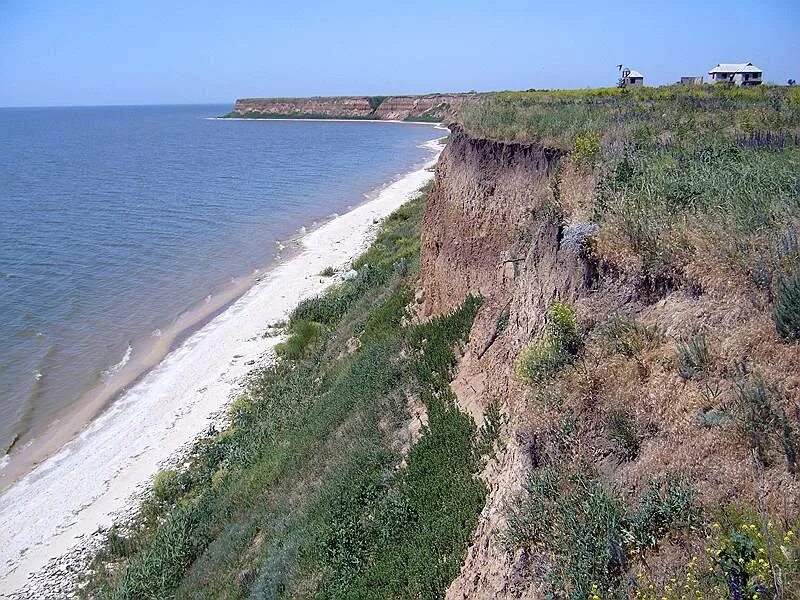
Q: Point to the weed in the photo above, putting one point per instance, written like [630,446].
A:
[588,531]
[328,272]
[755,415]
[586,148]
[667,504]
[694,357]
[626,335]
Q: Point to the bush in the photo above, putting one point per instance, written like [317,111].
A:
[561,342]
[328,272]
[787,307]
[167,487]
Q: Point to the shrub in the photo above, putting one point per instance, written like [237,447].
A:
[694,356]
[328,272]
[557,347]
[787,307]
[166,486]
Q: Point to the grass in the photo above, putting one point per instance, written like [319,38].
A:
[303,494]
[694,356]
[588,531]
[787,307]
[718,163]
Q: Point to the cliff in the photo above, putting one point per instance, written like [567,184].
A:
[432,107]
[567,370]
[637,455]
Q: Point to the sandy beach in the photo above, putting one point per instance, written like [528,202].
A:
[67,497]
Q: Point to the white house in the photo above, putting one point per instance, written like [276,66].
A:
[738,74]
[632,78]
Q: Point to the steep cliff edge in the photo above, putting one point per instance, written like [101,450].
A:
[429,108]
[650,423]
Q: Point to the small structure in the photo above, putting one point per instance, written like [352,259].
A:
[691,80]
[631,78]
[745,74]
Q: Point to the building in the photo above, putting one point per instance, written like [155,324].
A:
[632,78]
[691,80]
[738,74]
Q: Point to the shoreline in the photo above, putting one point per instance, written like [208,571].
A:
[51,513]
[434,124]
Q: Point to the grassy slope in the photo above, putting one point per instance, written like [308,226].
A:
[697,194]
[306,492]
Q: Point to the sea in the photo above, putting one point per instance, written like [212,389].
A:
[122,225]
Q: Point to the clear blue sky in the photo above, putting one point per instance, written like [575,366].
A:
[79,52]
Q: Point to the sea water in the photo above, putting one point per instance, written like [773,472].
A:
[115,222]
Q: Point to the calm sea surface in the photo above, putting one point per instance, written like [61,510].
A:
[114,221]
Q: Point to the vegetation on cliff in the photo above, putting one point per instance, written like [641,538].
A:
[665,454]
[315,488]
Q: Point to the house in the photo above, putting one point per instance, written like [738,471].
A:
[738,74]
[691,80]
[632,78]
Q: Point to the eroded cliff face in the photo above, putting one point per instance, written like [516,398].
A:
[509,222]
[488,230]
[432,107]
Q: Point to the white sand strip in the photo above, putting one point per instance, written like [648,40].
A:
[73,493]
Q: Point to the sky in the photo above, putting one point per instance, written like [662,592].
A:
[83,52]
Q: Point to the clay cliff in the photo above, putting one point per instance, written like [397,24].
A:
[432,107]
[507,222]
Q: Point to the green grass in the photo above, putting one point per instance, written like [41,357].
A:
[717,160]
[303,494]
[588,532]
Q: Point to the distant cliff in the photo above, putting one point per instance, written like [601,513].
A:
[429,108]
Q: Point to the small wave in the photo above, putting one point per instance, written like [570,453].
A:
[37,375]
[116,367]
[4,461]
[208,299]
[156,333]
[302,229]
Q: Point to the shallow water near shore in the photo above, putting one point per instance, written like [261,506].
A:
[125,227]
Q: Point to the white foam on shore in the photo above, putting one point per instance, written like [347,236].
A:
[78,490]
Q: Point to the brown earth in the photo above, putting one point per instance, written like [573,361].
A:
[499,223]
